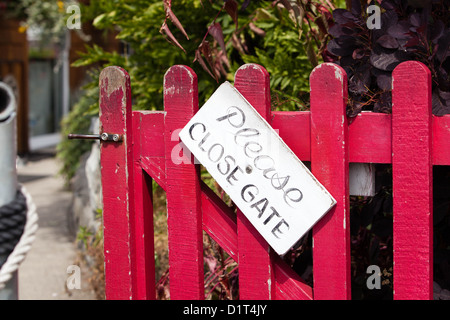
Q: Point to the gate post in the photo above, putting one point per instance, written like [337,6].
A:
[117,181]
[412,172]
[329,163]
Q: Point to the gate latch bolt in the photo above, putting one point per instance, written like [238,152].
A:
[107,137]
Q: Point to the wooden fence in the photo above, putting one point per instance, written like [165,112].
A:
[410,139]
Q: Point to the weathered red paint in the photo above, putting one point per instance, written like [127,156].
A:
[141,232]
[184,218]
[309,135]
[117,181]
[256,276]
[412,173]
[329,164]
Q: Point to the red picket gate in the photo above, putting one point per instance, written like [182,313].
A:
[410,139]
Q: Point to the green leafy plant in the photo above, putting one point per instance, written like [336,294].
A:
[214,38]
[146,53]
[283,36]
[78,120]
[287,37]
[289,48]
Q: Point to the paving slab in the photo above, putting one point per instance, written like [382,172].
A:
[50,263]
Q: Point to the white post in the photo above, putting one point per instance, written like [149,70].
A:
[8,173]
[362,179]
[8,145]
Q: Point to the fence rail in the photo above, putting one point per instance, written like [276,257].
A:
[410,139]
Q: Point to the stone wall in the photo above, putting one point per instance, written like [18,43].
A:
[87,191]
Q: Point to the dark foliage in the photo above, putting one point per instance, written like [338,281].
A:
[371,230]
[441,223]
[409,30]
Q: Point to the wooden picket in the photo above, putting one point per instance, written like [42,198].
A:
[412,172]
[255,266]
[411,139]
[329,163]
[116,169]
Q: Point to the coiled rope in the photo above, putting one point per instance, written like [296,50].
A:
[18,226]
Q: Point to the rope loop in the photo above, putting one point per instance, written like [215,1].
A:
[18,226]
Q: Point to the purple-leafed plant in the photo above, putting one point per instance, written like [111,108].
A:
[408,30]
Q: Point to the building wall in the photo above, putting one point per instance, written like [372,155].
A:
[14,68]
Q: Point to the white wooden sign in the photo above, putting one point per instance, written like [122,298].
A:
[263,177]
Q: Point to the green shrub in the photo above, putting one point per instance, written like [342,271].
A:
[78,121]
[266,33]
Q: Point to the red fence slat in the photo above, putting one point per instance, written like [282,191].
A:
[184,218]
[369,148]
[329,164]
[219,221]
[143,264]
[117,181]
[150,129]
[369,138]
[256,277]
[288,124]
[412,173]
[441,140]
